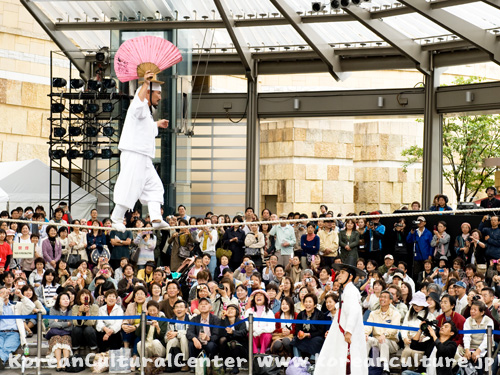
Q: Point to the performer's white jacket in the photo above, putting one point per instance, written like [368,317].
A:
[333,355]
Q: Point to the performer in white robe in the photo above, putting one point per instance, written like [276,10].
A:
[138,179]
[346,337]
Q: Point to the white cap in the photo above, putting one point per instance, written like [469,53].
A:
[156,86]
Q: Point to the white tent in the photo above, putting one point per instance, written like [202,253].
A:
[26,183]
[4,199]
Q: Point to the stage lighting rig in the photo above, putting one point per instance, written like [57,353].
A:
[89,154]
[58,82]
[108,131]
[76,108]
[106,153]
[344,3]
[72,153]
[91,131]
[59,132]
[335,4]
[318,6]
[107,107]
[75,131]
[76,83]
[57,153]
[57,107]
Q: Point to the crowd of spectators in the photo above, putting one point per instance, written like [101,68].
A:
[218,275]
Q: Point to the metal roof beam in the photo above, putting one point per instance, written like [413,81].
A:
[405,45]
[482,39]
[76,57]
[237,38]
[315,41]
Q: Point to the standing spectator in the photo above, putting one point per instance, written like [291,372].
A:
[440,241]
[374,234]
[58,218]
[328,242]
[310,245]
[93,217]
[51,248]
[415,206]
[491,236]
[442,204]
[121,246]
[349,241]
[207,237]
[285,240]
[146,244]
[254,244]
[386,339]
[182,244]
[96,240]
[233,240]
[109,331]
[420,238]
[401,252]
[77,241]
[491,201]
[461,246]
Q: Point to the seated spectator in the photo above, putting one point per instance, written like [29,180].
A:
[427,272]
[36,276]
[119,271]
[386,339]
[396,300]
[155,333]
[286,289]
[308,338]
[234,341]
[203,337]
[242,295]
[107,273]
[272,292]
[441,204]
[12,332]
[294,270]
[193,272]
[440,351]
[155,294]
[448,307]
[176,336]
[224,263]
[62,272]
[283,334]
[51,248]
[202,292]
[223,297]
[477,247]
[146,273]
[470,271]
[83,274]
[109,331]
[262,331]
[371,302]
[126,285]
[245,270]
[475,344]
[434,305]
[59,333]
[419,310]
[84,330]
[173,294]
[130,326]
[268,272]
[28,305]
[47,291]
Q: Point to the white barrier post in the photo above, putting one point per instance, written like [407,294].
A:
[250,343]
[142,354]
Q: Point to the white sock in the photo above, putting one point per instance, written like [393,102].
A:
[118,214]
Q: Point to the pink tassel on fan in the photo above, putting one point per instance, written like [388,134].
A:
[137,55]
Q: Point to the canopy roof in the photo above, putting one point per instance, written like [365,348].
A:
[412,29]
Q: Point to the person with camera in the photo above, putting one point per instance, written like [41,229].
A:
[401,251]
[440,241]
[386,339]
[374,233]
[83,332]
[420,237]
[491,236]
[208,237]
[475,344]
[439,351]
[146,244]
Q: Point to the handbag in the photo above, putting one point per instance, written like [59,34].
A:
[467,369]
[56,332]
[202,364]
[134,255]
[72,260]
[49,303]
[94,256]
[251,251]
[185,251]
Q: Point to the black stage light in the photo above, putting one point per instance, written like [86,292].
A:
[344,3]
[93,85]
[317,6]
[108,83]
[335,4]
[106,153]
[107,107]
[76,108]
[356,2]
[76,83]
[73,153]
[108,131]
[88,154]
[91,131]
[59,132]
[92,108]
[100,56]
[59,82]
[57,107]
[75,131]
[56,154]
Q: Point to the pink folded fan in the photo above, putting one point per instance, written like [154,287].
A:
[138,55]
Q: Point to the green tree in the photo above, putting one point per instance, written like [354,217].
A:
[467,140]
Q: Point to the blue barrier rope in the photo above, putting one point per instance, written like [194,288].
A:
[256,319]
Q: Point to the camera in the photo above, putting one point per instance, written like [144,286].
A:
[398,225]
[246,263]
[371,223]
[149,322]
[251,282]
[308,280]
[414,224]
[221,286]
[477,297]
[427,325]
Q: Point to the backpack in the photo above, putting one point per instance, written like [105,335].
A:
[76,363]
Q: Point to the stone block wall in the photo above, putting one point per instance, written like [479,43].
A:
[347,164]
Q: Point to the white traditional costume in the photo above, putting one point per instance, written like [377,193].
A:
[335,351]
[138,179]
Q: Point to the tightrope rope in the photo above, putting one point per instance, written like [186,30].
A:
[289,221]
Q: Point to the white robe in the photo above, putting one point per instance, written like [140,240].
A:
[333,355]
